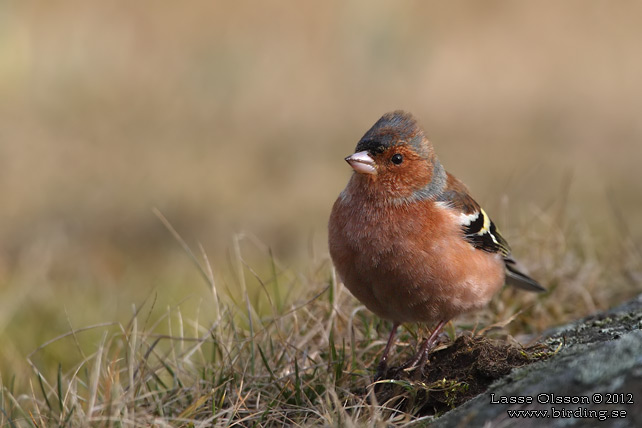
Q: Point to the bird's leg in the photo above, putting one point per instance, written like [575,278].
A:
[419,360]
[382,367]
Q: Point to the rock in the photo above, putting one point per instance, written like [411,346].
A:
[595,379]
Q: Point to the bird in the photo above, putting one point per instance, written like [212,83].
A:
[408,240]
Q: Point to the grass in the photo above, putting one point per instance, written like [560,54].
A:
[242,368]
[281,347]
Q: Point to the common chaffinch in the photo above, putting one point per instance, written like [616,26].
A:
[409,241]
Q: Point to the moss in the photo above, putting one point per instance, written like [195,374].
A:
[455,374]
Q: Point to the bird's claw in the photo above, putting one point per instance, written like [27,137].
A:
[382,371]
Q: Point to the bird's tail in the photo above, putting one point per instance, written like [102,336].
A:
[518,279]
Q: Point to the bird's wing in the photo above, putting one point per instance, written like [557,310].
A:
[480,231]
[477,226]
[517,278]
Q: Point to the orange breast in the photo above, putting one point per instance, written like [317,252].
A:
[409,263]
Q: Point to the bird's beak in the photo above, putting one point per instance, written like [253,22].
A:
[362,163]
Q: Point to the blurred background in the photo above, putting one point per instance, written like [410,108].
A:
[233,118]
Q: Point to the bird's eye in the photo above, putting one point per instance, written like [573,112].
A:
[396,158]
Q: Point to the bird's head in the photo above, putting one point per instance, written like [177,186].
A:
[396,160]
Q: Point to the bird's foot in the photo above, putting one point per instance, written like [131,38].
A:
[382,370]
[418,361]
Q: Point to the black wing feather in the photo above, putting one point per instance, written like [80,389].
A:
[480,231]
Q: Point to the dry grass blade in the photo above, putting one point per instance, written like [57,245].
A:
[205,273]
